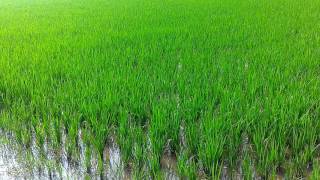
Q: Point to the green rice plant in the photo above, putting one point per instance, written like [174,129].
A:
[247,167]
[145,70]
[158,135]
[187,167]
[212,143]
[316,170]
[139,150]
[124,140]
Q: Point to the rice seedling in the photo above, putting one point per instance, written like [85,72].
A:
[187,78]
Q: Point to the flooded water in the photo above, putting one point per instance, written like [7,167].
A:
[9,168]
[19,163]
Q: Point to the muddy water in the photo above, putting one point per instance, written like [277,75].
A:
[19,163]
[169,164]
[8,164]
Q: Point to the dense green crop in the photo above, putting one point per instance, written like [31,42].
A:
[193,77]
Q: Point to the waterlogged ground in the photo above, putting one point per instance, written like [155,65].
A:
[20,163]
[8,162]
[17,162]
[14,164]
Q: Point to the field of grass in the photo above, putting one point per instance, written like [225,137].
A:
[214,82]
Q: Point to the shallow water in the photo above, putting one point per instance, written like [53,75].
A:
[8,165]
[19,163]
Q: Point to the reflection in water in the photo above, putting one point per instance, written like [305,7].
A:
[115,166]
[17,162]
[8,165]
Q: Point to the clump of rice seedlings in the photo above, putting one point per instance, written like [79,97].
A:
[139,150]
[315,174]
[247,167]
[158,136]
[124,136]
[187,166]
[211,145]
